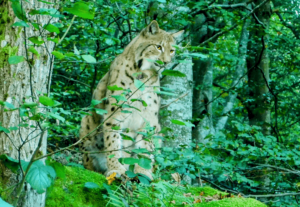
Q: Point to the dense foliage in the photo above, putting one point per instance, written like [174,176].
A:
[254,158]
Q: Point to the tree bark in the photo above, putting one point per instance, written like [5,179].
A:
[203,79]
[238,78]
[182,108]
[258,70]
[19,83]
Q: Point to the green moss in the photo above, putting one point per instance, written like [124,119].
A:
[71,192]
[233,202]
[4,19]
[6,52]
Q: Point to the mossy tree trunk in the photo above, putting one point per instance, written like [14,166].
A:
[22,83]
[258,69]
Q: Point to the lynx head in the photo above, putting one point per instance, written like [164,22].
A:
[154,44]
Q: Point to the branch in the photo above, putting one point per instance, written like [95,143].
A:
[287,25]
[234,26]
[82,138]
[180,97]
[230,6]
[63,37]
[271,195]
[72,80]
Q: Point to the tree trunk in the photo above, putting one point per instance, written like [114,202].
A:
[238,78]
[203,79]
[258,70]
[19,83]
[182,108]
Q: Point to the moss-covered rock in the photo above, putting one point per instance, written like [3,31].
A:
[71,192]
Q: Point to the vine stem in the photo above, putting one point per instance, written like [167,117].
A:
[27,169]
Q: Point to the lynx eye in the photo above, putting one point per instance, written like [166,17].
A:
[159,47]
[172,51]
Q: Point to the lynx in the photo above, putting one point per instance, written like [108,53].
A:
[140,60]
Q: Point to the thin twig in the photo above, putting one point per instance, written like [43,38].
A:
[234,26]
[180,97]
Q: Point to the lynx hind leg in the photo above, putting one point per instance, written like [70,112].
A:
[150,147]
[92,143]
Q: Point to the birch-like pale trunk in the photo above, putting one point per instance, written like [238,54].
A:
[18,84]
[180,107]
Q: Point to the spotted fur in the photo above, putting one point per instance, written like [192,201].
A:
[154,44]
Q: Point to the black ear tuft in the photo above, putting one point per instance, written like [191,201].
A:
[153,28]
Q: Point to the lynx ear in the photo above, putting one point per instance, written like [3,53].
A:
[177,34]
[153,28]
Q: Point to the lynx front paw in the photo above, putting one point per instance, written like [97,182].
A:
[119,172]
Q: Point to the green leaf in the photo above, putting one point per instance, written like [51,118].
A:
[34,51]
[17,8]
[29,105]
[91,185]
[126,137]
[199,55]
[89,58]
[119,98]
[35,25]
[115,88]
[128,106]
[9,105]
[39,176]
[130,174]
[188,124]
[58,55]
[130,160]
[145,163]
[9,162]
[81,9]
[50,12]
[140,150]
[174,121]
[46,2]
[3,129]
[51,28]
[58,167]
[4,204]
[139,84]
[56,116]
[126,112]
[116,127]
[13,128]
[76,52]
[20,24]
[111,156]
[165,93]
[173,73]
[36,40]
[56,40]
[46,101]
[143,180]
[109,41]
[95,102]
[140,100]
[15,59]
[100,111]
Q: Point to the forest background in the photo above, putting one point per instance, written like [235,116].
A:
[230,99]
